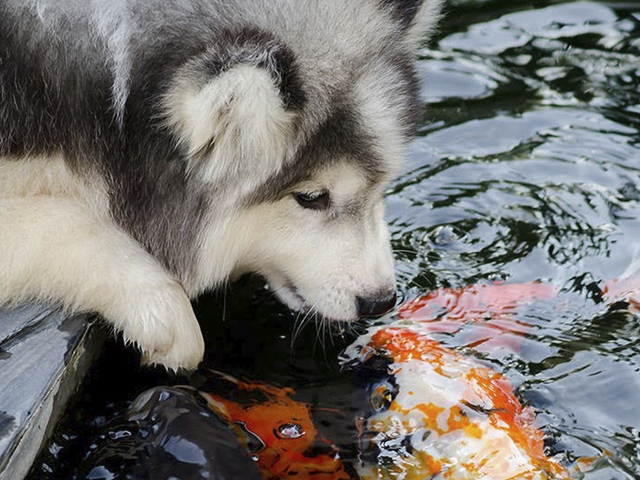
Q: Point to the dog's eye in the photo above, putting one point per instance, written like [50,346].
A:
[314,200]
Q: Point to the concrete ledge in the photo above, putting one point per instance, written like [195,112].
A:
[44,356]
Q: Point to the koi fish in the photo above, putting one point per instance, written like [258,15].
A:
[441,415]
[280,435]
[488,310]
[489,307]
[474,301]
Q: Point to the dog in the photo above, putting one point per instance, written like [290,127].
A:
[151,150]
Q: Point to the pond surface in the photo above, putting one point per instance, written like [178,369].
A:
[526,167]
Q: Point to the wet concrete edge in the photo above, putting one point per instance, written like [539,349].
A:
[44,356]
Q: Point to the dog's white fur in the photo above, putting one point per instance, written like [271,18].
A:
[59,241]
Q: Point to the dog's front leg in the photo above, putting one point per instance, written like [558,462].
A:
[56,249]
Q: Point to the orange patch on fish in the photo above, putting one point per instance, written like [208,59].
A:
[291,443]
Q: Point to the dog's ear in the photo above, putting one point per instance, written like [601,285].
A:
[234,108]
[417,18]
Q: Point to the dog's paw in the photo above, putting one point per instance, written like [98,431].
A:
[162,324]
[185,352]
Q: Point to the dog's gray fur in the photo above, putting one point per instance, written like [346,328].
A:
[151,149]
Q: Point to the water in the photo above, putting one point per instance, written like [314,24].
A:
[526,167]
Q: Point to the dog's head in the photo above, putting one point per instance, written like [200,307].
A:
[298,122]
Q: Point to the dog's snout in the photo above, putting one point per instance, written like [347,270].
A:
[377,305]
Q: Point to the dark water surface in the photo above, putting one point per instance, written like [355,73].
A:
[526,167]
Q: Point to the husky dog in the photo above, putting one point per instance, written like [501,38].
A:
[152,149]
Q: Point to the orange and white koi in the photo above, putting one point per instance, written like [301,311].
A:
[442,415]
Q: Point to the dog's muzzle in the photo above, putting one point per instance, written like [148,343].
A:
[377,305]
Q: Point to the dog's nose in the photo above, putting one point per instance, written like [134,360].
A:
[377,305]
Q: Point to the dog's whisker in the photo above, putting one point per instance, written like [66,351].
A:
[332,329]
[320,320]
[298,326]
[341,327]
[323,333]
[309,315]
[297,329]
[356,328]
[224,302]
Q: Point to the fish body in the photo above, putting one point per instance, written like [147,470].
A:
[475,301]
[483,314]
[444,416]
[278,430]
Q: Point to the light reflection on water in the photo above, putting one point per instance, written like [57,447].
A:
[526,167]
